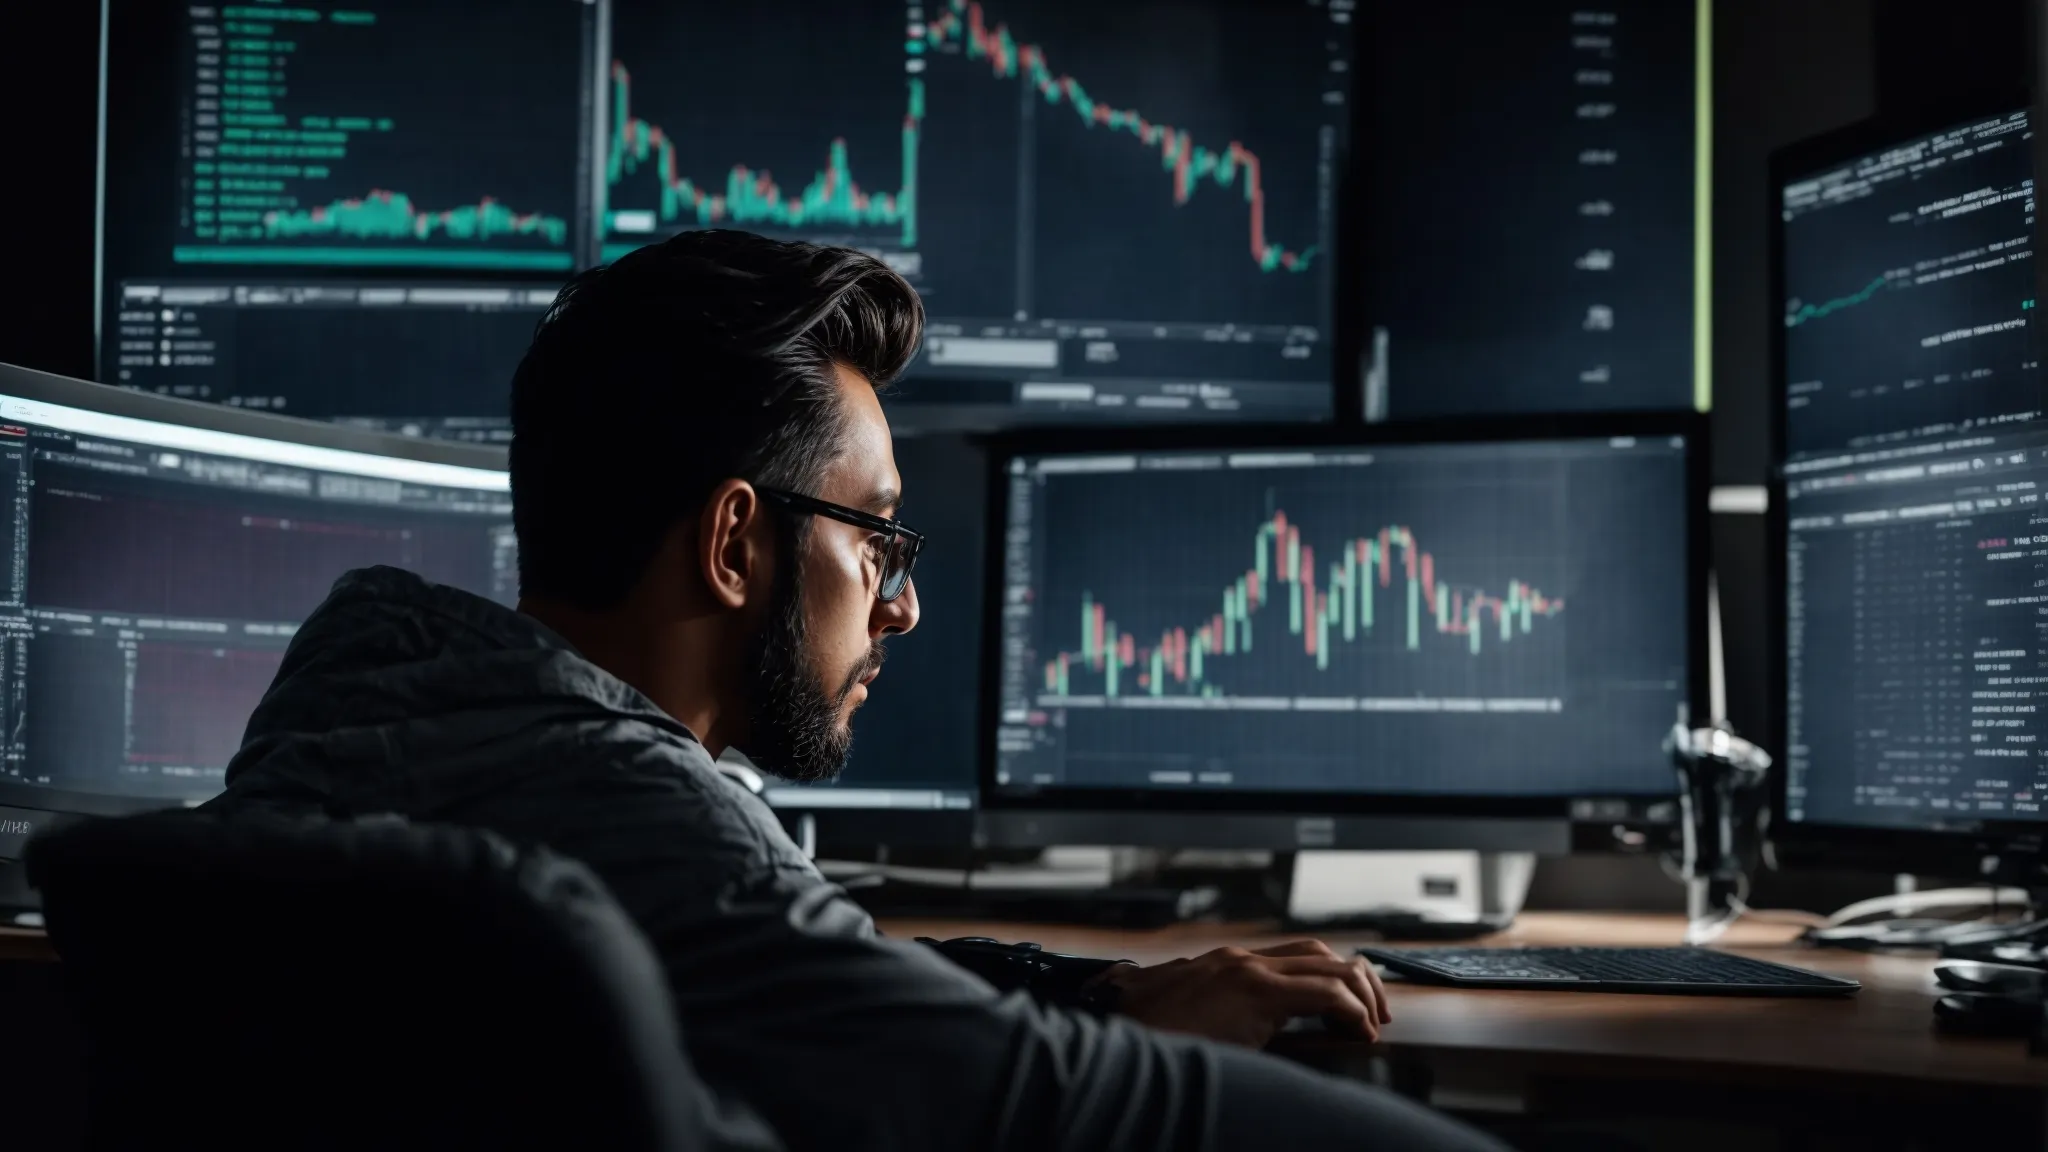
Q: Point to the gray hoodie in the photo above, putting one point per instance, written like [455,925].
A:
[402,696]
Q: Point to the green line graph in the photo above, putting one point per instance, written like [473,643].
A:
[1806,312]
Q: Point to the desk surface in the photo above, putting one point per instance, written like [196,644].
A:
[25,944]
[1887,1030]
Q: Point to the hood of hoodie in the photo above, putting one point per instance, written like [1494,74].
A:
[401,695]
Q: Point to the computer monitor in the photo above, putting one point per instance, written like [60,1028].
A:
[341,213]
[1536,231]
[1907,513]
[1119,212]
[1449,637]
[1125,213]
[162,554]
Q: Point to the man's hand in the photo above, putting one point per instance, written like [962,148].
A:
[1242,997]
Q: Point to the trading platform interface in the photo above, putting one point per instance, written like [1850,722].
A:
[154,574]
[355,213]
[1482,619]
[358,352]
[1536,207]
[1122,211]
[287,187]
[1909,292]
[1917,649]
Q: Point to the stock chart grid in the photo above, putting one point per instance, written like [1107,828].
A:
[1120,213]
[1126,212]
[1909,292]
[1345,620]
[1915,635]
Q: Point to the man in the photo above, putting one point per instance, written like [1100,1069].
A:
[705,496]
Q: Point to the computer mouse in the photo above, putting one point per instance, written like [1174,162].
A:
[1983,1014]
[2001,979]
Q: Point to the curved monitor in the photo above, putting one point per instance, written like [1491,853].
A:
[1446,622]
[157,556]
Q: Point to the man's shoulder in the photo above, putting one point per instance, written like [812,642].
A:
[634,792]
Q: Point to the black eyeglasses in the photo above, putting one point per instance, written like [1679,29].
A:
[899,555]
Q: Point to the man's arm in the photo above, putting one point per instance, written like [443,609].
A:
[1050,977]
[1232,994]
[844,1040]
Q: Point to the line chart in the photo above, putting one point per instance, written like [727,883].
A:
[1808,312]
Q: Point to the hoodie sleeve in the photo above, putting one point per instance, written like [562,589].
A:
[846,1040]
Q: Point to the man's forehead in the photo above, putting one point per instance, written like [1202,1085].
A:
[863,473]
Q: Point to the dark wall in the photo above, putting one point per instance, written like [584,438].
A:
[51,79]
[1934,54]
[1783,70]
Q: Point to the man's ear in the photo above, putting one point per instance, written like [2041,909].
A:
[734,552]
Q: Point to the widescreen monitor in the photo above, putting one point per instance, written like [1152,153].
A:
[1120,214]
[162,554]
[1440,625]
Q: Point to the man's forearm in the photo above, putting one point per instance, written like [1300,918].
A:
[1050,977]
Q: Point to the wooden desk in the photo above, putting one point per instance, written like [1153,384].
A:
[25,944]
[1867,1071]
[1884,1032]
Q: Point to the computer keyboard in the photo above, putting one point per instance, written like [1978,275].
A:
[1677,970]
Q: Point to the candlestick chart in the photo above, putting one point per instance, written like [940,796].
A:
[1364,594]
[723,117]
[990,140]
[1504,619]
[1187,164]
[1341,585]
[832,199]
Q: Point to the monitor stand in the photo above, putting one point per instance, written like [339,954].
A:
[1109,887]
[1409,895]
[20,907]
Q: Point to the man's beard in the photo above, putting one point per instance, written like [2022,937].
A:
[793,728]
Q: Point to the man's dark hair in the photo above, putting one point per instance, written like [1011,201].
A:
[682,365]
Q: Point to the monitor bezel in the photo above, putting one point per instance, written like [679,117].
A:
[1812,843]
[48,388]
[1178,805]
